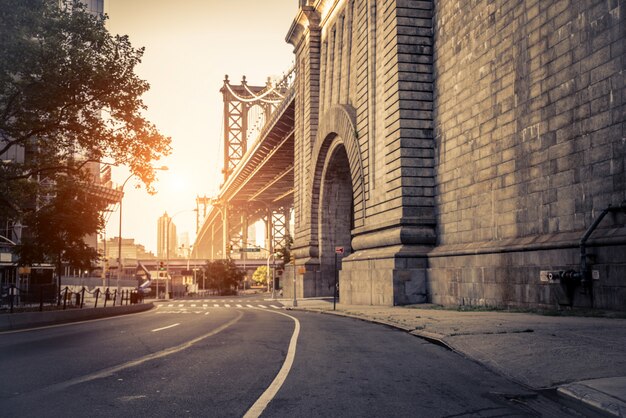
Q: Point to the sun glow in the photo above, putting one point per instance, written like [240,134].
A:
[173,183]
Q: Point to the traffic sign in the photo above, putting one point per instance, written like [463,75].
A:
[249,250]
[339,250]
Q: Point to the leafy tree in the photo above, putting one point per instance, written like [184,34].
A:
[260,275]
[223,276]
[55,232]
[68,88]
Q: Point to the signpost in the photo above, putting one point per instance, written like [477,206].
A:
[338,251]
[293,261]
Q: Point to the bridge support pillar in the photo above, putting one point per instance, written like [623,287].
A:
[309,279]
[386,276]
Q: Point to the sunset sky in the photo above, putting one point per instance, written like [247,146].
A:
[190,46]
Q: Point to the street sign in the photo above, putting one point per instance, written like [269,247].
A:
[339,250]
[249,250]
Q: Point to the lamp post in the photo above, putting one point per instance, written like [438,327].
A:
[119,244]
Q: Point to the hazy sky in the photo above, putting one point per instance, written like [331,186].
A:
[190,46]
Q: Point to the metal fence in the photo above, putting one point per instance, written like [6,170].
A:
[47,297]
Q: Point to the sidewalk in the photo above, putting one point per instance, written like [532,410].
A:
[583,358]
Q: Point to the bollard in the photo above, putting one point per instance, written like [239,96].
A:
[82,299]
[11,294]
[40,298]
[65,297]
[97,292]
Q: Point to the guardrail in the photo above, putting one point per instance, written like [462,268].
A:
[46,297]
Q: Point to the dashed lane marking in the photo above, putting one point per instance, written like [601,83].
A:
[167,327]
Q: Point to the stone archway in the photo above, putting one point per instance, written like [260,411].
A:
[337,195]
[335,214]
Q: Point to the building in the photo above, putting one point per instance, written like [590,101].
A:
[166,238]
[131,251]
[183,245]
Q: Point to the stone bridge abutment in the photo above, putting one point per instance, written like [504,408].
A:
[458,151]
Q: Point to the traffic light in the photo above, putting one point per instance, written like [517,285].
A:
[229,248]
[161,266]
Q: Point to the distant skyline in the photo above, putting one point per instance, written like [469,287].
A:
[190,46]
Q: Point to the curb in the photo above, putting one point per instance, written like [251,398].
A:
[593,398]
[25,320]
[428,336]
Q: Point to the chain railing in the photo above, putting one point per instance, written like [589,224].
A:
[46,298]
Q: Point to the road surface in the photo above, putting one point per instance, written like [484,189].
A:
[228,357]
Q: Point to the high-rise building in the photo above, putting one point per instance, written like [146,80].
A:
[184,249]
[166,237]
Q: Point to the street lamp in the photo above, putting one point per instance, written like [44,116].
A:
[119,244]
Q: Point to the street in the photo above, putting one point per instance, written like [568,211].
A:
[218,356]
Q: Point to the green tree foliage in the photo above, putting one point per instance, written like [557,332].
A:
[68,88]
[223,276]
[56,231]
[260,275]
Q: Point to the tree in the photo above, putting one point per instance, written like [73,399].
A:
[260,275]
[56,231]
[223,276]
[69,94]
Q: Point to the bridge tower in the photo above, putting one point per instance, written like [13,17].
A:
[246,108]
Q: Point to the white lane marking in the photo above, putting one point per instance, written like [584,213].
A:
[206,313]
[204,305]
[170,305]
[226,305]
[263,306]
[275,307]
[250,306]
[193,305]
[181,305]
[169,326]
[239,306]
[259,406]
[216,305]
[133,363]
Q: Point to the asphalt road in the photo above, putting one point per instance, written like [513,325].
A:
[217,358]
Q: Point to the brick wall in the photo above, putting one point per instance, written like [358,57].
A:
[529,114]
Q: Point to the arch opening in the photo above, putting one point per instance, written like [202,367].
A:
[335,216]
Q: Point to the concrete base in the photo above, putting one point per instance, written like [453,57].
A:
[509,276]
[389,276]
[310,280]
